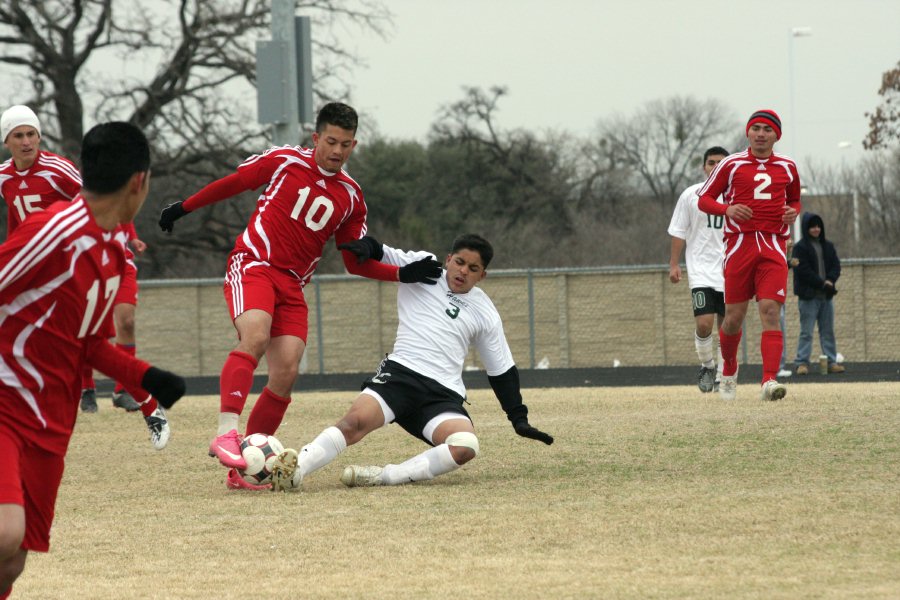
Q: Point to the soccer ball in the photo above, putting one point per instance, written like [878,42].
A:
[260,451]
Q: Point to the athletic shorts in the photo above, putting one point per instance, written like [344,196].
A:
[30,477]
[755,265]
[128,286]
[252,284]
[415,399]
[708,301]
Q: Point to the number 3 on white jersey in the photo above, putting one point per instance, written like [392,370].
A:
[760,192]
[109,294]
[313,221]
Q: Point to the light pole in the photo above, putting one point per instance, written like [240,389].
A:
[795,32]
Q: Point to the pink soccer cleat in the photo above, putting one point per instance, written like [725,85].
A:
[234,481]
[227,448]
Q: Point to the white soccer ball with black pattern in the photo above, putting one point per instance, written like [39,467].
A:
[260,451]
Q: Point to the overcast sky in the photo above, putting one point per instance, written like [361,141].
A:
[568,63]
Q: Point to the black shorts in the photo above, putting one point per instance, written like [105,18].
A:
[415,399]
[708,301]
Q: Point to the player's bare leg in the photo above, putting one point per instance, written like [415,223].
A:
[283,359]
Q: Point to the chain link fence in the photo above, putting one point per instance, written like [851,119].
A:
[554,318]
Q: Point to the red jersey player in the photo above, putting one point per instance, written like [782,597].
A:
[761,191]
[59,272]
[30,181]
[306,199]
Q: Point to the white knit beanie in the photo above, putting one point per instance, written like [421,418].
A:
[15,116]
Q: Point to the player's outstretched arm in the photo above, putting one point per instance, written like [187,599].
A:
[507,389]
[165,386]
[363,249]
[228,186]
[356,255]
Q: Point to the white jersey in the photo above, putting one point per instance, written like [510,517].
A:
[703,237]
[437,327]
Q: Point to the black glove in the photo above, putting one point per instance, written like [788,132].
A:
[166,387]
[169,215]
[525,430]
[426,270]
[364,248]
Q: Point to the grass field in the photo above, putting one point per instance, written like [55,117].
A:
[655,492]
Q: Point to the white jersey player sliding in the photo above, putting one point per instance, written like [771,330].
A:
[419,385]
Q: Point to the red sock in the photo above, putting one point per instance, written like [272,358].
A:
[771,344]
[87,377]
[729,345]
[236,381]
[267,413]
[132,351]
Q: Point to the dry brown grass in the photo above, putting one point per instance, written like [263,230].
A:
[655,492]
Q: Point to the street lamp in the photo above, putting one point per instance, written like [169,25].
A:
[795,32]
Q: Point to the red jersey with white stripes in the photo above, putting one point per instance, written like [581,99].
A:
[763,184]
[50,178]
[59,272]
[301,207]
[124,234]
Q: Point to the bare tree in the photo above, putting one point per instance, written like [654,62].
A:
[663,142]
[187,78]
[884,123]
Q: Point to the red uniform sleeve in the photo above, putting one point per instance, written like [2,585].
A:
[217,191]
[371,269]
[707,203]
[114,363]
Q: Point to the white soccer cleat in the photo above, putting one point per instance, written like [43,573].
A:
[286,477]
[158,425]
[357,476]
[772,390]
[728,387]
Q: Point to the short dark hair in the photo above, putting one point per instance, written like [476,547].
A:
[714,150]
[473,241]
[337,113]
[110,154]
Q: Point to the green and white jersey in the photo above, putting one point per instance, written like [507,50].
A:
[702,233]
[437,327]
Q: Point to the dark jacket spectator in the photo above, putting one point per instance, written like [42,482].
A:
[808,283]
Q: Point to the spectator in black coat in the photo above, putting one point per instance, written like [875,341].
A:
[815,275]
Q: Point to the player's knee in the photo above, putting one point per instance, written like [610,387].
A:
[463,446]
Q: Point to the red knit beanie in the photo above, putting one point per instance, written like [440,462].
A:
[766,117]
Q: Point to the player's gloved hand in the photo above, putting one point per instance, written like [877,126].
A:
[525,430]
[169,215]
[426,270]
[364,248]
[165,386]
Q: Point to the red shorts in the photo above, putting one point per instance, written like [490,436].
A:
[30,477]
[755,265]
[128,286]
[251,284]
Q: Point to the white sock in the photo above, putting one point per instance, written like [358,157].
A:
[321,451]
[227,422]
[704,348]
[422,467]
